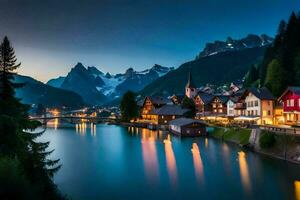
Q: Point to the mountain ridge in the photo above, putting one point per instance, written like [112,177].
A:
[97,87]
[250,41]
[36,92]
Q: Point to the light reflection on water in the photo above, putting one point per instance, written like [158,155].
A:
[171,161]
[198,165]
[206,142]
[245,178]
[150,155]
[157,160]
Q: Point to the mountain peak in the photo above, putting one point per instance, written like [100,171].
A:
[94,70]
[79,66]
[250,41]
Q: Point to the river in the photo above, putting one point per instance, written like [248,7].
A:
[113,162]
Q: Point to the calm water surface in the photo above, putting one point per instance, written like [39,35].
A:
[113,162]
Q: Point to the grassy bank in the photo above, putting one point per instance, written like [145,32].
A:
[236,135]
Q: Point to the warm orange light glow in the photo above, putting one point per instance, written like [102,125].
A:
[244,170]
[149,155]
[297,190]
[81,128]
[55,123]
[171,161]
[198,165]
[54,112]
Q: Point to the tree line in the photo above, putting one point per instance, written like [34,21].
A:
[25,170]
[280,67]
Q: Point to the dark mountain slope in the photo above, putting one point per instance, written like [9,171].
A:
[35,92]
[220,68]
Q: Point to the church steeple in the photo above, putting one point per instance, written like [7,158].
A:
[190,83]
[190,88]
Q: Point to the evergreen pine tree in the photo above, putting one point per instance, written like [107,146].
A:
[188,103]
[128,106]
[251,76]
[275,78]
[14,141]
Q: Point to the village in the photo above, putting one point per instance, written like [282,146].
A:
[242,107]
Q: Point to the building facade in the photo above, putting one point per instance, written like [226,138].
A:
[260,105]
[291,105]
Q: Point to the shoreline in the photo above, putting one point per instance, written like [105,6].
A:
[247,145]
[264,152]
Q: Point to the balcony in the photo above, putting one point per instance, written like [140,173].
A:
[239,106]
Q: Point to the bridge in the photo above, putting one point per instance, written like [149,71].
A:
[74,119]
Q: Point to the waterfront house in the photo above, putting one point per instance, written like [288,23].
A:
[151,103]
[291,105]
[259,105]
[166,113]
[187,127]
[203,104]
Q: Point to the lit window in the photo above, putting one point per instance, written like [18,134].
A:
[292,102]
[173,117]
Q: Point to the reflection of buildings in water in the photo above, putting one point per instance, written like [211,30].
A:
[81,128]
[226,158]
[93,129]
[171,161]
[149,155]
[198,165]
[53,123]
[206,142]
[245,178]
[297,189]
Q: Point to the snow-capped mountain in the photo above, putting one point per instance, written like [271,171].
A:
[96,87]
[230,44]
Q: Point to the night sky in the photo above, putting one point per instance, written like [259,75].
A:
[52,36]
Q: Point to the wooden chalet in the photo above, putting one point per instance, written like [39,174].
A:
[219,105]
[203,103]
[151,103]
[166,113]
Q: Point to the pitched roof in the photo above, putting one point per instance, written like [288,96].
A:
[170,110]
[295,90]
[223,98]
[178,96]
[158,100]
[234,99]
[205,97]
[190,83]
[261,93]
[184,121]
